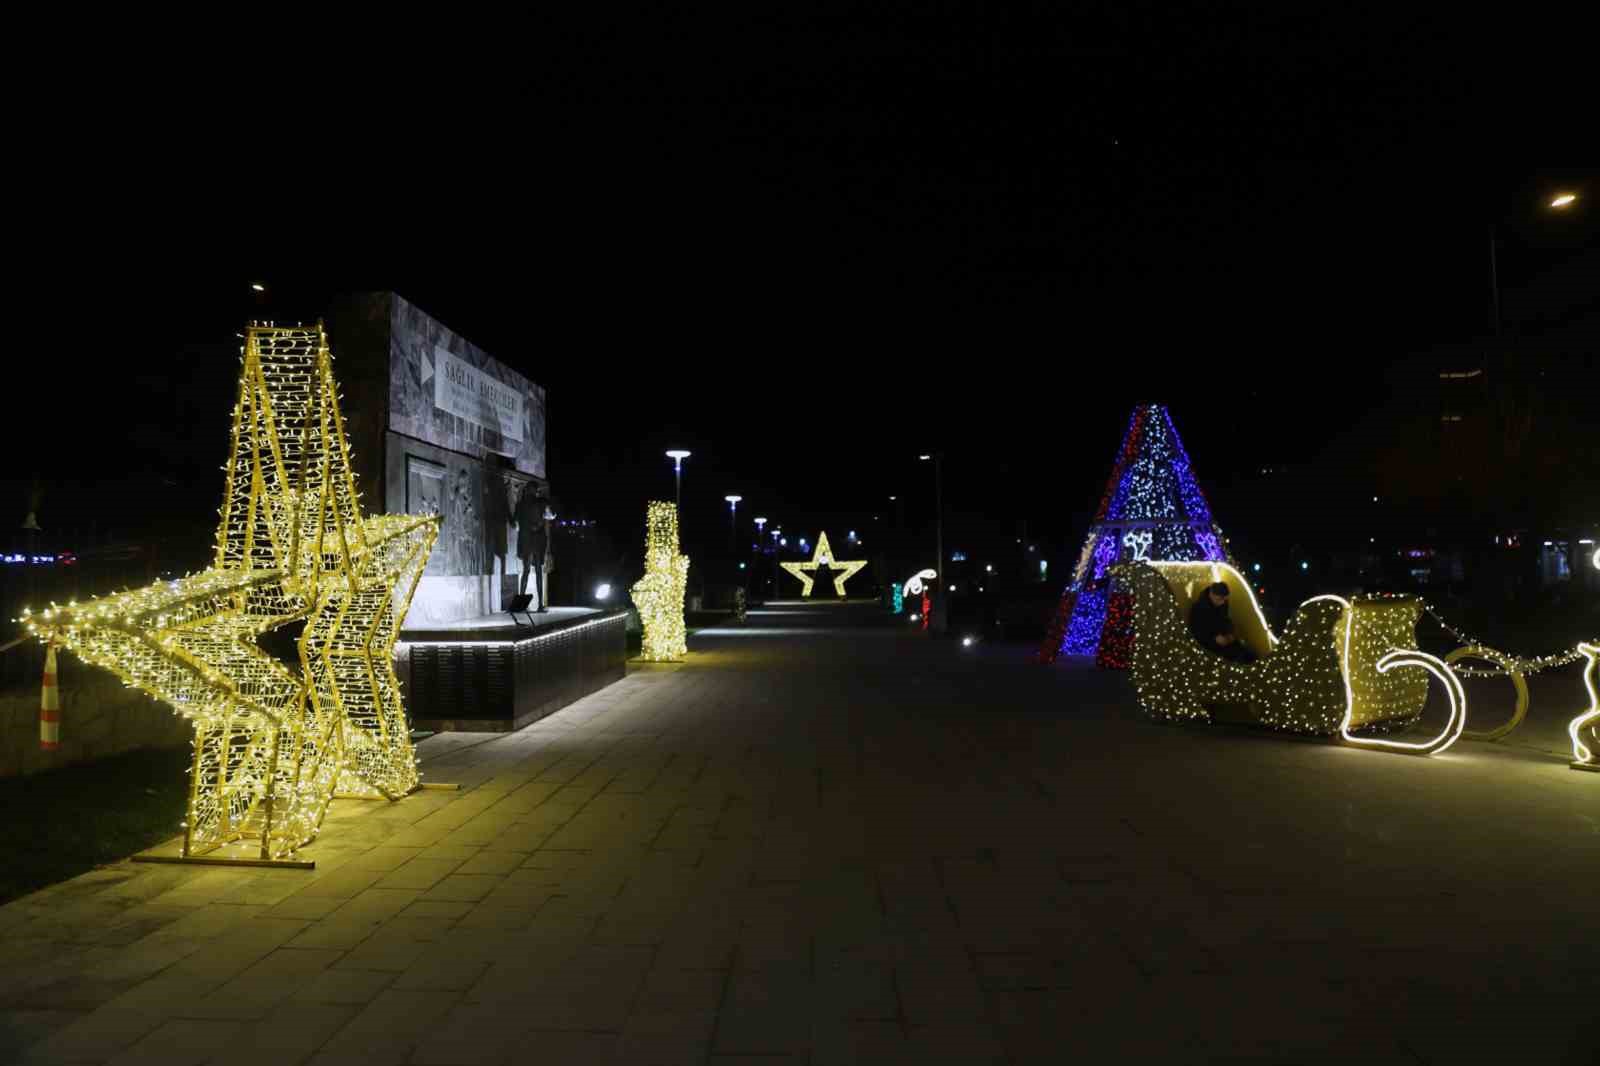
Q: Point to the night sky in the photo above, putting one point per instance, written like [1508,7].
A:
[809,246]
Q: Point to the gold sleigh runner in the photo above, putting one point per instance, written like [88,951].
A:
[273,745]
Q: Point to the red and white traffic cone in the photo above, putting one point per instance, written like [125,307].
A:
[50,704]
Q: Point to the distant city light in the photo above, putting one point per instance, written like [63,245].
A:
[966,642]
[602,591]
[1563,200]
[258,287]
[1305,566]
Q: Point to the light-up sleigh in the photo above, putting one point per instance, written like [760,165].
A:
[1335,670]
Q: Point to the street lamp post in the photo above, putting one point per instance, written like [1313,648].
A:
[1559,202]
[941,601]
[678,455]
[733,522]
[761,546]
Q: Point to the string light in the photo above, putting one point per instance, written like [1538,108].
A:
[274,744]
[1583,756]
[1299,685]
[1152,510]
[1385,664]
[1508,663]
[659,594]
[823,556]
[1518,683]
[913,585]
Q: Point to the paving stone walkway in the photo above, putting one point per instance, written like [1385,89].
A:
[824,840]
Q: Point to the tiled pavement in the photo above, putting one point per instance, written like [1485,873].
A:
[825,843]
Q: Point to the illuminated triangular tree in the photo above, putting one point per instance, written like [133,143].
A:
[1152,509]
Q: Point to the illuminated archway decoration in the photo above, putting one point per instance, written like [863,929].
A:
[823,557]
[659,594]
[275,740]
[1583,756]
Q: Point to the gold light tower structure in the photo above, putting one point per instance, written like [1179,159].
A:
[823,556]
[273,743]
[659,594]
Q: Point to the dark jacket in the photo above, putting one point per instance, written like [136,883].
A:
[1208,621]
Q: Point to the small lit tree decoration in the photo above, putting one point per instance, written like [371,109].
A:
[1334,671]
[823,556]
[1152,509]
[659,594]
[274,743]
[1583,756]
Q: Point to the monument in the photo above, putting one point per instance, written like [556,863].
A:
[441,426]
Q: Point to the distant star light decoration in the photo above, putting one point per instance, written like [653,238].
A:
[823,556]
[659,594]
[274,740]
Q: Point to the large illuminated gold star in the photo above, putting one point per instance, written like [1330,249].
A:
[275,743]
[823,556]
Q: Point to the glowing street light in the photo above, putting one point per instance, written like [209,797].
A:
[941,616]
[257,286]
[1559,202]
[733,520]
[678,455]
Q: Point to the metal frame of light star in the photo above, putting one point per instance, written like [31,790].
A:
[823,556]
[273,747]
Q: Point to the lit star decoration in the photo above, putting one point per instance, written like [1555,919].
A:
[1152,509]
[823,556]
[274,744]
[1299,683]
[659,594]
[1588,722]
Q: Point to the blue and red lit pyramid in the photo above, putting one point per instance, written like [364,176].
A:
[1152,509]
